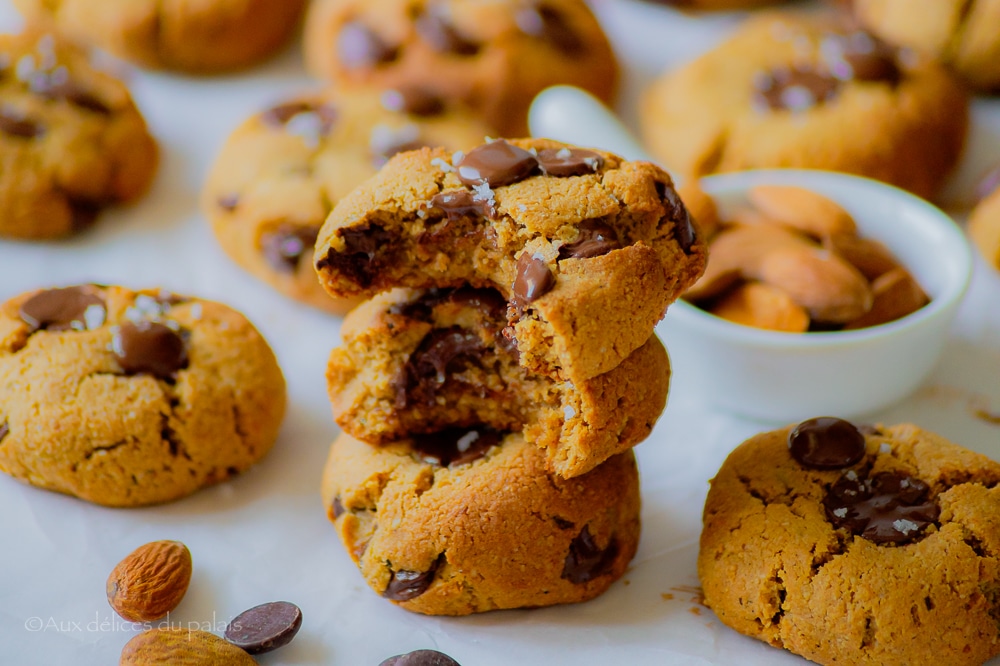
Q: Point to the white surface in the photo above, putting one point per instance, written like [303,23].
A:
[264,536]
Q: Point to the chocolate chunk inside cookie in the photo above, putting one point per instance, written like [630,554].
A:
[72,308]
[585,560]
[888,508]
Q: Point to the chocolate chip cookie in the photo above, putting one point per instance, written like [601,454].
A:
[712,5]
[417,362]
[790,91]
[495,56]
[196,37]
[71,139]
[280,173]
[857,545]
[960,33]
[468,520]
[586,248]
[984,222]
[127,398]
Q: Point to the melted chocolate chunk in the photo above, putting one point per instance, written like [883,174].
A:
[989,184]
[457,204]
[861,57]
[421,308]
[148,347]
[487,301]
[51,87]
[284,247]
[890,507]
[228,202]
[497,163]
[596,238]
[420,658]
[4,429]
[564,162]
[265,627]
[585,561]
[547,23]
[794,89]
[435,28]
[414,101]
[442,353]
[532,281]
[15,124]
[455,446]
[405,585]
[826,443]
[64,309]
[360,48]
[357,261]
[678,212]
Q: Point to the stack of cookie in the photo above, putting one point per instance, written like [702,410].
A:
[492,387]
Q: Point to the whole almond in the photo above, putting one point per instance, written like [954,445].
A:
[762,306]
[828,287]
[869,256]
[151,581]
[182,647]
[897,294]
[701,206]
[802,209]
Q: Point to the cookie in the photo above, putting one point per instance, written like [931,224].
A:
[195,37]
[468,521]
[845,545]
[962,34]
[587,249]
[495,56]
[789,91]
[984,221]
[71,139]
[714,5]
[279,174]
[127,398]
[417,362]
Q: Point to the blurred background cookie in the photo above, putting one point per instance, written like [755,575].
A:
[710,5]
[197,37]
[495,56]
[984,221]
[787,91]
[281,172]
[71,139]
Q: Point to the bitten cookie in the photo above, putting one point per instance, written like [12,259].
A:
[960,33]
[984,221]
[587,249]
[787,91]
[468,521]
[127,398]
[279,174]
[419,362]
[197,37]
[495,56]
[877,545]
[71,139]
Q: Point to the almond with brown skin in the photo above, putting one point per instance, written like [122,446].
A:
[182,647]
[762,306]
[828,287]
[802,209]
[897,294]
[151,581]
[869,256]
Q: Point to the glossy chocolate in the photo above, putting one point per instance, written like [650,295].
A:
[684,229]
[496,164]
[794,89]
[889,508]
[565,162]
[439,355]
[420,658]
[585,561]
[457,204]
[148,347]
[265,627]
[63,309]
[826,443]
[406,585]
[532,280]
[455,446]
[358,47]
[358,259]
[284,246]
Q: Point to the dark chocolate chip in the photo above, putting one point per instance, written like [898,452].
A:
[151,348]
[63,309]
[889,508]
[421,308]
[826,443]
[54,88]
[414,101]
[564,162]
[440,354]
[359,47]
[585,561]
[4,429]
[684,228]
[15,124]
[487,301]
[281,115]
[284,246]
[794,89]
[420,658]
[596,238]
[532,281]
[337,508]
[989,184]
[405,585]
[228,202]
[562,523]
[457,204]
[496,164]
[357,261]
[435,28]
[455,446]
[547,23]
[265,627]
[861,57]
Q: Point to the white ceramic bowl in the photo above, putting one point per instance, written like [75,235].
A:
[777,376]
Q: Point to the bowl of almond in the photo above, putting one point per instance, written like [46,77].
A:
[824,293]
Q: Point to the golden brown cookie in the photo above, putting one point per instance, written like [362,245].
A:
[984,221]
[418,362]
[71,139]
[713,5]
[877,546]
[468,521]
[279,174]
[127,398]
[587,249]
[201,36]
[960,33]
[790,91]
[495,56]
